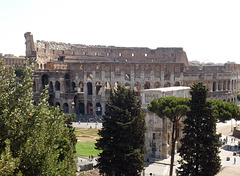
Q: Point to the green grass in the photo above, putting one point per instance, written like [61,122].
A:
[84,149]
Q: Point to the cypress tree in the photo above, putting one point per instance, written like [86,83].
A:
[200,144]
[122,137]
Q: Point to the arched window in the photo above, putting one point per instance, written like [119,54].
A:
[51,87]
[214,86]
[65,108]
[81,108]
[57,86]
[89,87]
[107,88]
[90,108]
[57,104]
[81,87]
[167,84]
[157,85]
[44,81]
[177,84]
[98,109]
[98,88]
[147,85]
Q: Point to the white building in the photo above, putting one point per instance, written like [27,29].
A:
[158,133]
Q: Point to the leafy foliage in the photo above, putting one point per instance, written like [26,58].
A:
[122,137]
[41,138]
[174,108]
[200,144]
[224,110]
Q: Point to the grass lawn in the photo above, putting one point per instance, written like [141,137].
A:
[84,149]
[86,140]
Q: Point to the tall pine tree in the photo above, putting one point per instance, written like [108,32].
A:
[122,137]
[200,144]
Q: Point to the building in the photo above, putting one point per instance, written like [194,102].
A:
[80,78]
[82,75]
[159,130]
[10,60]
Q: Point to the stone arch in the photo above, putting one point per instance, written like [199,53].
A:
[98,88]
[208,85]
[228,85]
[81,87]
[98,109]
[219,86]
[89,88]
[81,108]
[50,86]
[67,82]
[44,80]
[90,108]
[65,108]
[137,88]
[107,87]
[157,85]
[224,85]
[147,85]
[57,86]
[167,84]
[73,87]
[214,86]
[177,83]
[57,104]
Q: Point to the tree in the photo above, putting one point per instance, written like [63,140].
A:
[200,144]
[122,137]
[173,108]
[41,138]
[224,110]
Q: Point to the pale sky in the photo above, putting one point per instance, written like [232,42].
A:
[208,30]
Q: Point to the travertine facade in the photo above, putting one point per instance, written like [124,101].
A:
[84,74]
[80,77]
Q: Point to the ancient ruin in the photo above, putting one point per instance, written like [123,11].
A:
[80,77]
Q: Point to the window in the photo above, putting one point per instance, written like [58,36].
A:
[154,136]
[132,54]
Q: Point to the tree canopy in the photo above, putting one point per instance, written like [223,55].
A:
[36,140]
[200,144]
[174,108]
[122,137]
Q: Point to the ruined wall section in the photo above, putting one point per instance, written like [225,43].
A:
[52,51]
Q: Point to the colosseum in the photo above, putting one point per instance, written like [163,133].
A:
[80,77]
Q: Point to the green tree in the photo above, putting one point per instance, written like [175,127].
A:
[122,137]
[173,108]
[200,144]
[224,110]
[41,137]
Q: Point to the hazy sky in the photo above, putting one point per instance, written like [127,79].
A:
[208,30]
